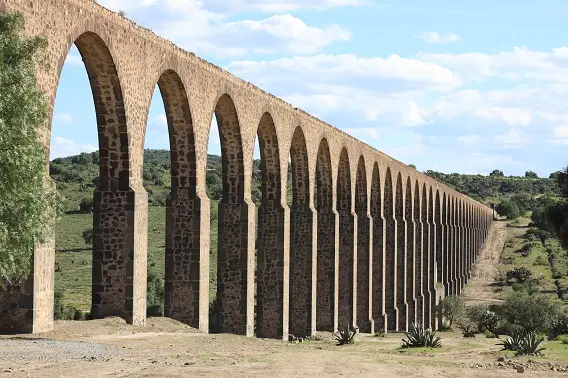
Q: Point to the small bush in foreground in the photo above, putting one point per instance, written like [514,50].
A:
[468,330]
[524,343]
[346,335]
[418,336]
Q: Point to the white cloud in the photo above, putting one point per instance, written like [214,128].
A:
[364,132]
[435,38]
[74,59]
[62,147]
[394,72]
[513,139]
[560,135]
[62,117]
[468,140]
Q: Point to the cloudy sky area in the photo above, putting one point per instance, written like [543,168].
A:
[451,86]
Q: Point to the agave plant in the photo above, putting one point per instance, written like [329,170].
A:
[468,330]
[346,335]
[418,336]
[523,343]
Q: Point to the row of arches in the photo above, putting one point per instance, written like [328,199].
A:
[377,252]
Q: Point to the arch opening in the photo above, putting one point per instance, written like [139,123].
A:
[378,252]
[326,292]
[363,249]
[346,299]
[233,309]
[410,253]
[271,282]
[114,260]
[390,253]
[418,255]
[401,230]
[302,295]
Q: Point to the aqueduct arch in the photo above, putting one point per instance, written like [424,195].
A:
[366,240]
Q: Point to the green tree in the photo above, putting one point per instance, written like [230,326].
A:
[535,313]
[450,309]
[25,203]
[531,174]
[497,173]
[509,209]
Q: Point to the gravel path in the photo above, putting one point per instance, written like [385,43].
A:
[42,350]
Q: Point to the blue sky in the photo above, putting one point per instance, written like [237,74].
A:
[453,86]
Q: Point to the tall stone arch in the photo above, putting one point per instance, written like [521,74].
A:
[378,252]
[426,220]
[444,264]
[326,313]
[364,229]
[439,245]
[302,247]
[419,258]
[410,296]
[400,261]
[432,257]
[186,271]
[390,253]
[234,306]
[347,246]
[272,270]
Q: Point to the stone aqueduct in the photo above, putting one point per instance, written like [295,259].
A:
[367,241]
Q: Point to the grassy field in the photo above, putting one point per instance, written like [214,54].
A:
[548,263]
[74,257]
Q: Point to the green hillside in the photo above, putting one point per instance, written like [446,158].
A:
[76,178]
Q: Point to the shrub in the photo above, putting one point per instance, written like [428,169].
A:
[541,260]
[450,309]
[538,234]
[520,274]
[86,205]
[155,296]
[559,326]
[380,333]
[418,336]
[345,336]
[533,312]
[489,322]
[523,343]
[468,330]
[509,209]
[475,314]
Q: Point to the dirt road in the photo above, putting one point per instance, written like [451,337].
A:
[479,289]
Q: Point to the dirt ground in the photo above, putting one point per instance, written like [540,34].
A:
[111,348]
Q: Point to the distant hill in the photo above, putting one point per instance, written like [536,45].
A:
[77,176]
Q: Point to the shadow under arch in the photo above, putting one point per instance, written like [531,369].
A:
[443,264]
[418,255]
[400,294]
[426,225]
[390,253]
[346,299]
[271,290]
[302,252]
[410,254]
[378,253]
[432,255]
[326,291]
[438,273]
[233,306]
[364,316]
